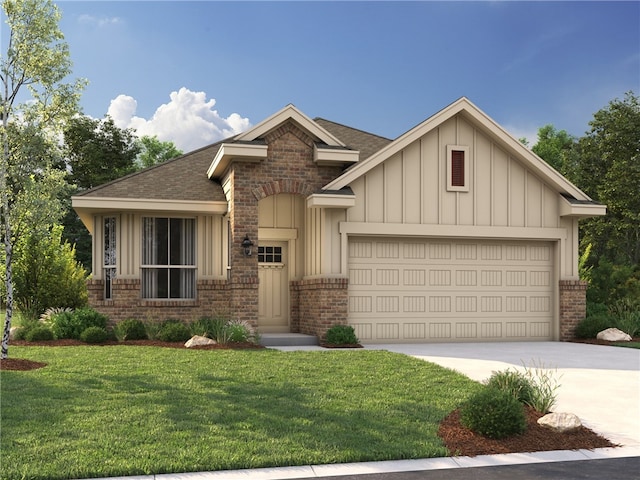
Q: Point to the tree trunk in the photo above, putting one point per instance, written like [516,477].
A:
[8,246]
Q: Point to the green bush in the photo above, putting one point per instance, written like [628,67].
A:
[493,413]
[237,332]
[341,335]
[513,382]
[626,313]
[173,331]
[210,327]
[591,326]
[24,328]
[38,334]
[130,329]
[72,324]
[94,335]
[544,387]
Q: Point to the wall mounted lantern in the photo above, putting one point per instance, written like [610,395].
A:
[246,245]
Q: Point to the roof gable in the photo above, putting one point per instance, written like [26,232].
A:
[464,107]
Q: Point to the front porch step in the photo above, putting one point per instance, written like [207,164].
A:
[287,339]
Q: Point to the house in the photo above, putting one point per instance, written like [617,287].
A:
[454,231]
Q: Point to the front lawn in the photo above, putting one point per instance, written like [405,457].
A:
[121,410]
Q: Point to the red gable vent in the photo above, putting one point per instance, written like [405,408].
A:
[457,168]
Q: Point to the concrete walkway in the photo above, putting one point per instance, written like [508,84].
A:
[600,384]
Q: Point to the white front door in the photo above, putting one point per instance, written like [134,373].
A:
[273,290]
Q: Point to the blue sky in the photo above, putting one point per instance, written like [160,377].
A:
[195,72]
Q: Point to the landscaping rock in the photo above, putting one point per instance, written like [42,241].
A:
[12,333]
[198,340]
[560,422]
[613,335]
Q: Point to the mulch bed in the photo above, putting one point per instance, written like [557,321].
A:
[462,441]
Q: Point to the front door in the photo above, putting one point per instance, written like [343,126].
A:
[273,290]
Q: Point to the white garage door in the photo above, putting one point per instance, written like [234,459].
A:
[412,290]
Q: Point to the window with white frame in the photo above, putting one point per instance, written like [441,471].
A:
[109,257]
[457,168]
[168,258]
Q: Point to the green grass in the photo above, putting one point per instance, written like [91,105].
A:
[119,410]
[627,344]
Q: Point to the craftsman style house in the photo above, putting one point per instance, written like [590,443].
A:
[452,232]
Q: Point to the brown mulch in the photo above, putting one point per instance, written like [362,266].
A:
[458,439]
[462,441]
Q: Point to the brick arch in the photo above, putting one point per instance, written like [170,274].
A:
[282,186]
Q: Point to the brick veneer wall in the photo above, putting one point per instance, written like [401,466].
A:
[322,303]
[126,302]
[573,306]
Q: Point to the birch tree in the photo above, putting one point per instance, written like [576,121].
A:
[33,90]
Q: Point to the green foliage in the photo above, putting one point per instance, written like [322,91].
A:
[592,325]
[545,384]
[94,335]
[210,327]
[493,413]
[130,329]
[46,274]
[237,332]
[38,334]
[173,331]
[72,324]
[514,383]
[554,147]
[626,313]
[154,151]
[341,335]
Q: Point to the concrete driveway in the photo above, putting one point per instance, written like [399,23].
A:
[600,384]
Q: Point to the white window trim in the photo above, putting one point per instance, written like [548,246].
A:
[450,186]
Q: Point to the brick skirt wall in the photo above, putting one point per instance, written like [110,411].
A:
[573,306]
[126,302]
[318,304]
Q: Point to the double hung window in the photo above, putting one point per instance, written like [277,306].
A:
[168,258]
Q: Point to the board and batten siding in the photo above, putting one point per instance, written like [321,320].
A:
[410,187]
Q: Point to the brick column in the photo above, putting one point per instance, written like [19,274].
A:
[573,306]
[323,303]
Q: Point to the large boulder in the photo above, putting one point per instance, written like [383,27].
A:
[197,341]
[560,422]
[613,335]
[12,332]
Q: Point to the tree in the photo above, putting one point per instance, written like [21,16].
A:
[555,147]
[154,151]
[35,65]
[609,172]
[98,151]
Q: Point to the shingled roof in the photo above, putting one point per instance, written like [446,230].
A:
[185,177]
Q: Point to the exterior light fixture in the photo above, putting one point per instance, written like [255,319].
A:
[246,245]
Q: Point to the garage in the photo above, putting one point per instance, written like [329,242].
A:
[450,290]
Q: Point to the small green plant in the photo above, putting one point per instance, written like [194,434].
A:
[211,327]
[173,331]
[591,326]
[627,315]
[493,413]
[545,385]
[237,332]
[341,335]
[72,324]
[94,335]
[130,329]
[38,334]
[513,382]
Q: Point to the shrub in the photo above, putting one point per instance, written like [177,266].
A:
[341,335]
[38,334]
[72,324]
[237,332]
[493,413]
[174,331]
[24,328]
[591,326]
[130,329]
[545,385]
[627,315]
[513,382]
[94,335]
[213,328]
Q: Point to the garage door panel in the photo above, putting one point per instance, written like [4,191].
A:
[434,290]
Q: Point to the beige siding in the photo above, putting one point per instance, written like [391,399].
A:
[410,187]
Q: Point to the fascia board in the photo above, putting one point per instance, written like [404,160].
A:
[325,200]
[235,151]
[102,204]
[290,112]
[333,156]
[581,210]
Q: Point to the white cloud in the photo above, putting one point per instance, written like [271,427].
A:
[92,20]
[188,120]
[528,132]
